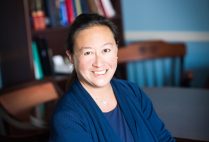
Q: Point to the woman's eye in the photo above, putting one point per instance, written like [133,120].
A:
[87,53]
[106,50]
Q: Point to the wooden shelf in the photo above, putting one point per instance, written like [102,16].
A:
[50,30]
[17,60]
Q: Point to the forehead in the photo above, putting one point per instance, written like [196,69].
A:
[94,35]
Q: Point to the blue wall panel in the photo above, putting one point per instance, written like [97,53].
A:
[178,15]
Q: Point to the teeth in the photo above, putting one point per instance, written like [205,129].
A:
[100,72]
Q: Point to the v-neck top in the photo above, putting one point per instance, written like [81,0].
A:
[119,124]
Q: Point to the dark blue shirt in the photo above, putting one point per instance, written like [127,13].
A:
[119,124]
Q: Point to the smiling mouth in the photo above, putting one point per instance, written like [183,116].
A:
[100,72]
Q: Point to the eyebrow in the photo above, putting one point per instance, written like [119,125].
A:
[108,43]
[85,48]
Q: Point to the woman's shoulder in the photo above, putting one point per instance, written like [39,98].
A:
[128,87]
[125,84]
[66,105]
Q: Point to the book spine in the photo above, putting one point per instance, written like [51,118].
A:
[84,6]
[36,62]
[45,56]
[92,6]
[74,8]
[70,11]
[78,7]
[102,8]
[52,9]
[63,13]
[38,15]
[99,8]
[108,8]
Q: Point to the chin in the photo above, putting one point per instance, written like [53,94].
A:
[101,83]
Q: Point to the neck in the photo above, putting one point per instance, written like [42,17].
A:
[94,91]
[104,97]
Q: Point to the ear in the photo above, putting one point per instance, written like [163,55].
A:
[70,56]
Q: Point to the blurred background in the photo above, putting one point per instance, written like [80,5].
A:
[39,23]
[173,21]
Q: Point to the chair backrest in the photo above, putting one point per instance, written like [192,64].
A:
[22,100]
[153,63]
[17,104]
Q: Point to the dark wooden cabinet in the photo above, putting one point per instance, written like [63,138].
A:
[16,54]
[16,59]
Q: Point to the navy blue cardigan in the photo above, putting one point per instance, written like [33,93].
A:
[77,117]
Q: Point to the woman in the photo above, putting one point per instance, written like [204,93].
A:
[97,107]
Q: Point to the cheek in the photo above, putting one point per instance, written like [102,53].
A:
[112,61]
[82,64]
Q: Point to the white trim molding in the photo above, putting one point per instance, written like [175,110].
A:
[167,36]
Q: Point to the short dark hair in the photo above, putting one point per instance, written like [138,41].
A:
[84,21]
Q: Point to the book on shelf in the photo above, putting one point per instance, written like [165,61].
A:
[45,55]
[70,10]
[63,13]
[102,7]
[36,62]
[37,14]
[108,9]
[99,7]
[92,6]
[52,10]
[84,6]
[77,7]
[53,13]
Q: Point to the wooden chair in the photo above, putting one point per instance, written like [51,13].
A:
[154,63]
[23,111]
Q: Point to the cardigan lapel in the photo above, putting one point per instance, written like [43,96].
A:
[125,108]
[133,115]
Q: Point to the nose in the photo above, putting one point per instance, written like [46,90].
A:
[98,61]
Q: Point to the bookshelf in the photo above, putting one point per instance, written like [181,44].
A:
[17,35]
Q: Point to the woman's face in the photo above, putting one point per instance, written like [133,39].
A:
[95,56]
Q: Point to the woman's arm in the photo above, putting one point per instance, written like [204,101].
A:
[151,116]
[67,127]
